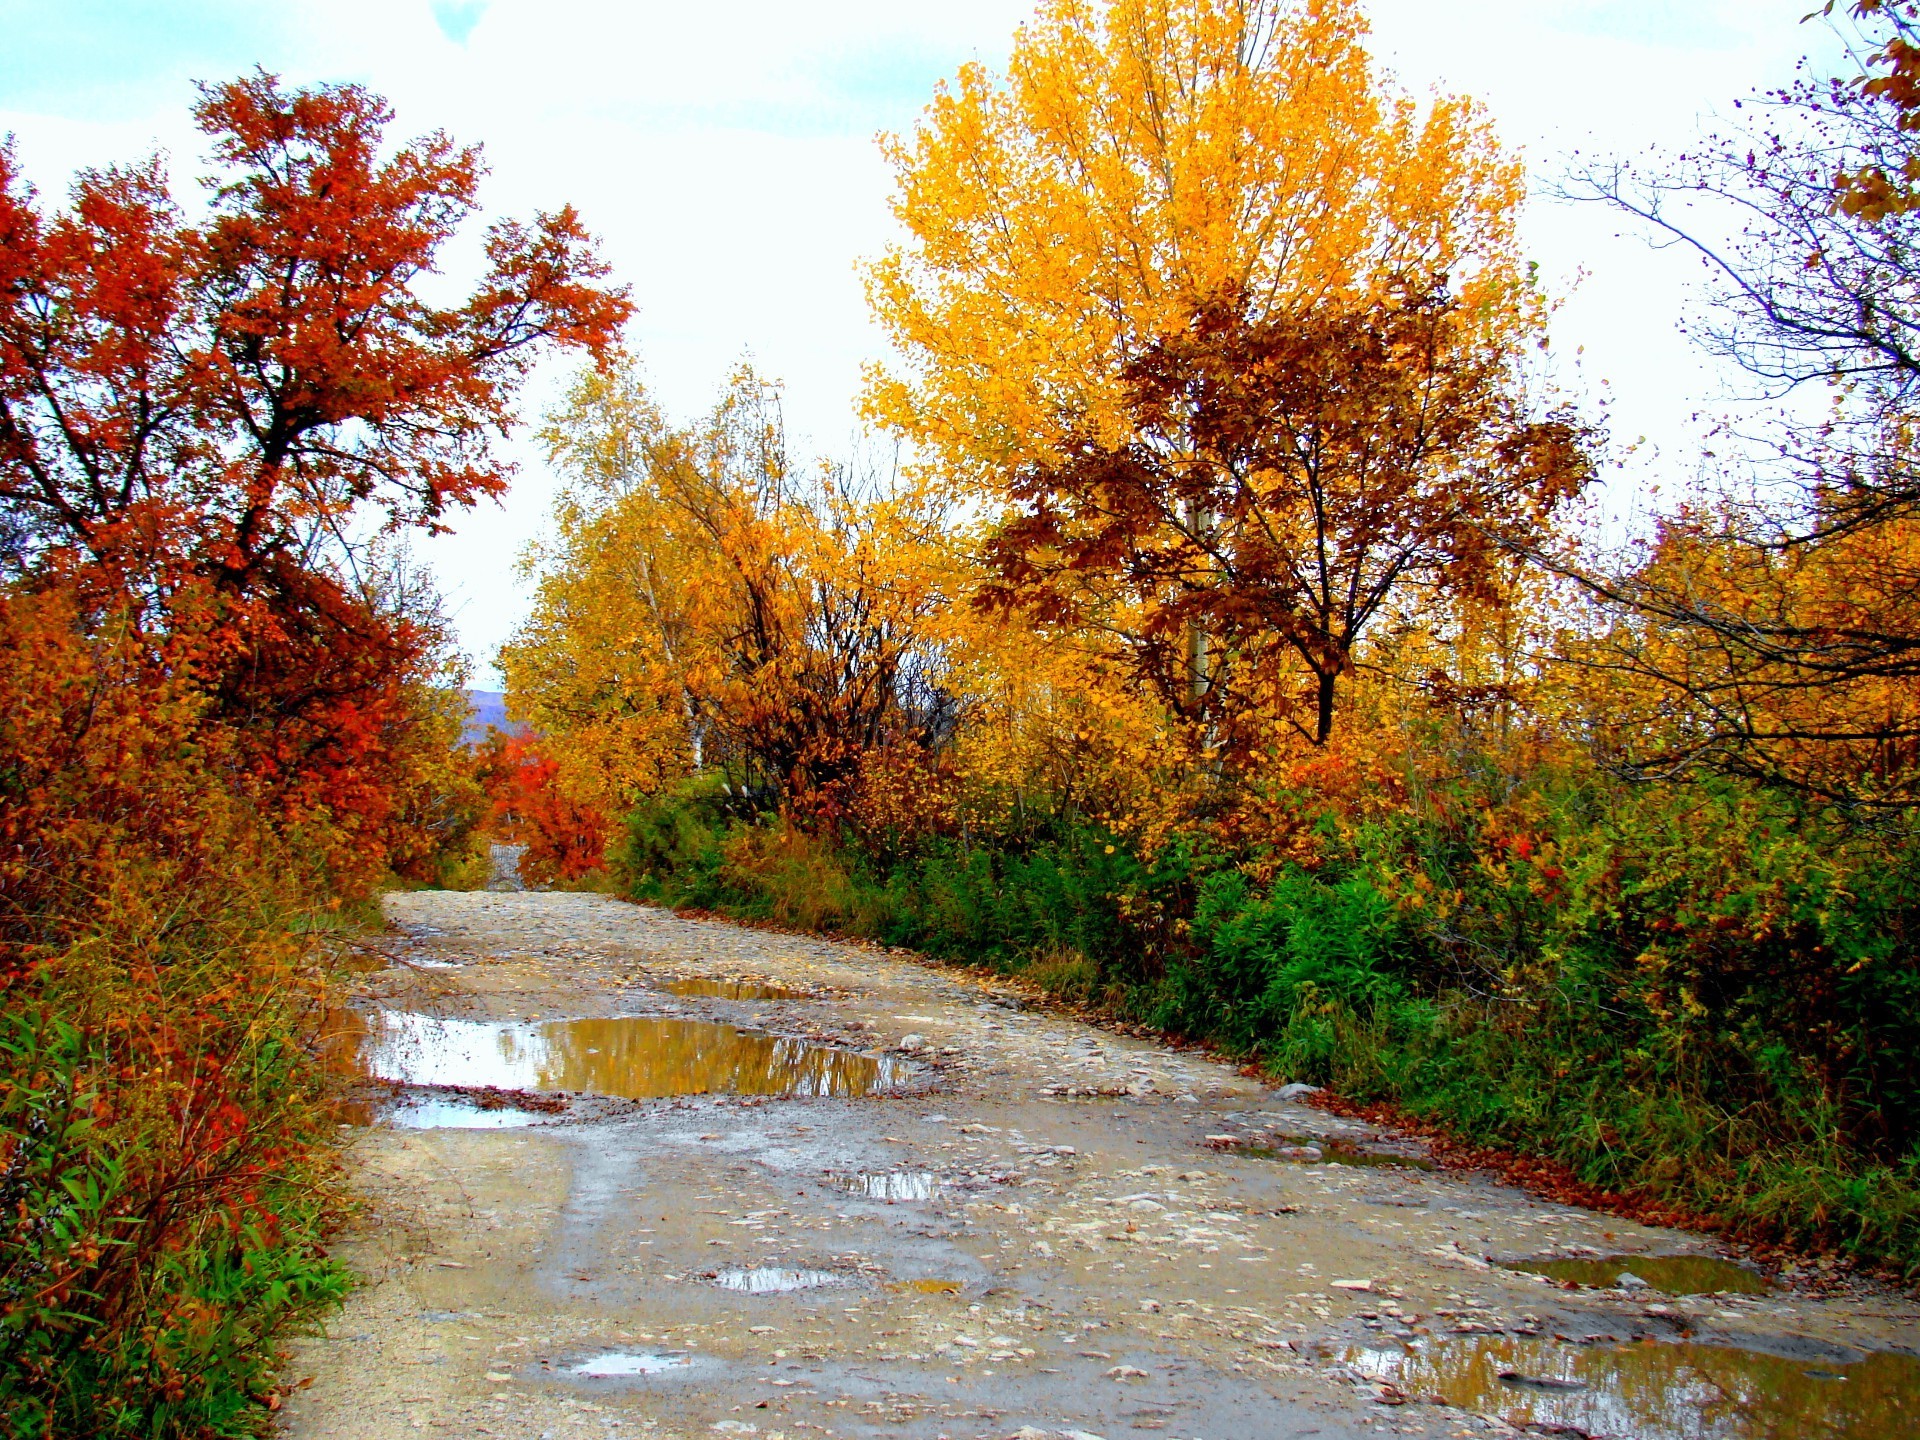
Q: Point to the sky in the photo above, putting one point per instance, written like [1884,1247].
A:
[726,157]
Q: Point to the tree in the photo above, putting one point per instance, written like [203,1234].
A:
[1286,481]
[1162,191]
[1144,160]
[1771,621]
[707,610]
[195,419]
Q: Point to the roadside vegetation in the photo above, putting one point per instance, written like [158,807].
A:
[1221,629]
[224,723]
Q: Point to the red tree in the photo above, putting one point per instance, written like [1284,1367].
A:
[195,417]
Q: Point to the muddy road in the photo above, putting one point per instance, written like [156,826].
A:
[784,1187]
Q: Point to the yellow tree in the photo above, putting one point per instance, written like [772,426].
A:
[705,608]
[1230,331]
[1139,162]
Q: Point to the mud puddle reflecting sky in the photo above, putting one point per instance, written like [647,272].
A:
[634,1057]
[1669,1274]
[617,1363]
[887,1185]
[732,990]
[1307,1150]
[1655,1390]
[773,1280]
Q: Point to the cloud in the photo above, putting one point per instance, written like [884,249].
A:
[456,18]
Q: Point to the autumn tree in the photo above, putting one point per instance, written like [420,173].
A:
[1226,331]
[1142,161]
[196,419]
[706,609]
[1284,482]
[1769,625]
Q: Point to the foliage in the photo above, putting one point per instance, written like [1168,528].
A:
[1140,162]
[528,804]
[1773,614]
[165,1160]
[703,607]
[1283,482]
[195,418]
[225,712]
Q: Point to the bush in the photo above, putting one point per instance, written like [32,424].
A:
[165,1160]
[1702,992]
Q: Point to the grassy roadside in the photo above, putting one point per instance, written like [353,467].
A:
[1722,1029]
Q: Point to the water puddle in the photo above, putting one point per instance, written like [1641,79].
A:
[1654,1390]
[616,1363]
[1669,1274]
[1307,1150]
[926,1287]
[454,1112]
[770,1280]
[635,1057]
[732,990]
[888,1185]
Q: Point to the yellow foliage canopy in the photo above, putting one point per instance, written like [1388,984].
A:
[1140,161]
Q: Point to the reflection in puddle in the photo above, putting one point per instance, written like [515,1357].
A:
[452,1112]
[1656,1390]
[887,1184]
[768,1280]
[926,1287]
[628,1362]
[637,1057]
[732,990]
[1306,1150]
[1669,1274]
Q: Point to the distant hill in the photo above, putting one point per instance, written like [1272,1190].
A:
[484,708]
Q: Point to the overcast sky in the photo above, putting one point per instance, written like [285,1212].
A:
[725,154]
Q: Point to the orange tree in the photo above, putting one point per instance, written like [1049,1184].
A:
[707,611]
[219,711]
[193,417]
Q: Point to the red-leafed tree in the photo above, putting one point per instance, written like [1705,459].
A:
[196,418]
[565,839]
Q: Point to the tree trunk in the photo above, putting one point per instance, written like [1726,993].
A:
[1323,722]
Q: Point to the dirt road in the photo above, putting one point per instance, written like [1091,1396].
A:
[1026,1229]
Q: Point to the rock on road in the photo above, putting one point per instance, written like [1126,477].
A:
[1086,1263]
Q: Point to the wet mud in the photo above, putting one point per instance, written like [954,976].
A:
[895,1203]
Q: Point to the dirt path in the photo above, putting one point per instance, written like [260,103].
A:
[1083,1263]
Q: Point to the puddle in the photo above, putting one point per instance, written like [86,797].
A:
[1305,1150]
[1655,1390]
[453,1112]
[926,1287]
[616,1363]
[636,1057]
[769,1280]
[1669,1274]
[732,990]
[887,1185]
